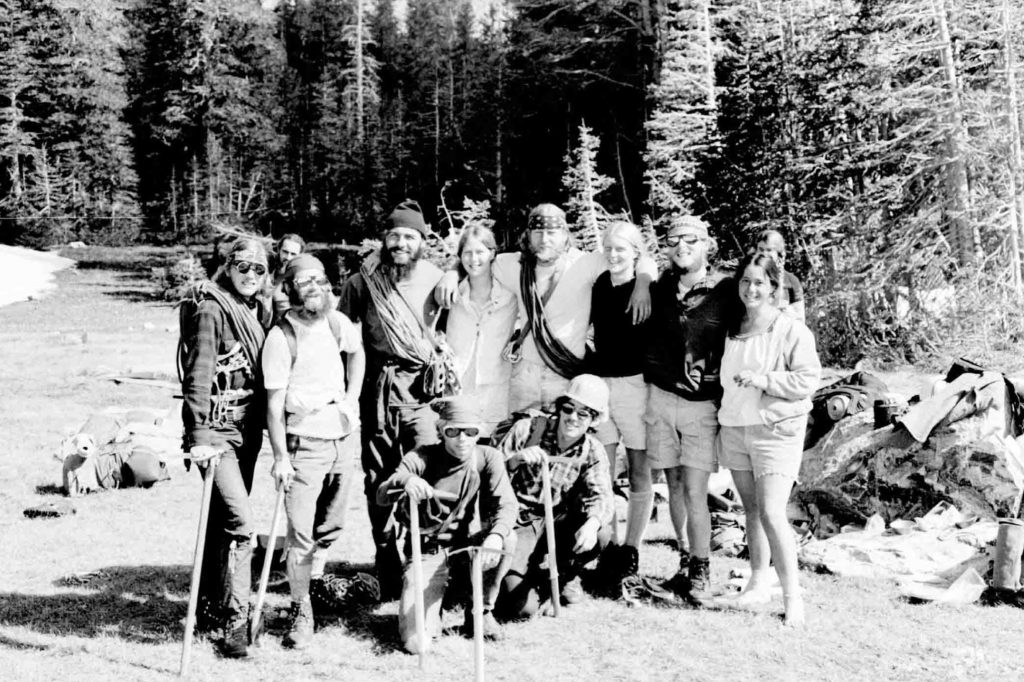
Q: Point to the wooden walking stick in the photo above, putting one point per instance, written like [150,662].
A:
[268,559]
[197,567]
[549,525]
[417,577]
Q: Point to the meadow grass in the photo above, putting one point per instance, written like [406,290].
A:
[120,619]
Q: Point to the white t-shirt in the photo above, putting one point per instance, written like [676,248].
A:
[567,311]
[315,384]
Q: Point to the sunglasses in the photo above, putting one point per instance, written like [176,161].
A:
[454,431]
[244,266]
[581,412]
[688,239]
[312,281]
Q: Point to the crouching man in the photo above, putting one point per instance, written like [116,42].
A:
[311,410]
[452,481]
[581,495]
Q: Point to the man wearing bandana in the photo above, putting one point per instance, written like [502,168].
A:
[223,417]
[312,407]
[553,280]
[392,295]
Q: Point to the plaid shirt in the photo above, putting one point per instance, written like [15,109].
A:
[583,485]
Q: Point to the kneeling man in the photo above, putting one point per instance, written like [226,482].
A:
[451,481]
[581,495]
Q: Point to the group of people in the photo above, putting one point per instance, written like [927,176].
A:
[482,391]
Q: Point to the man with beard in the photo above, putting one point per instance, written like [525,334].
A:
[311,409]
[684,352]
[553,280]
[392,296]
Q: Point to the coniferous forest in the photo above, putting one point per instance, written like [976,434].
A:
[881,137]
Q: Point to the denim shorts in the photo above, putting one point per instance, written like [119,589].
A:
[762,449]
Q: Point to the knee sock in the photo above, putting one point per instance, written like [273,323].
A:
[640,504]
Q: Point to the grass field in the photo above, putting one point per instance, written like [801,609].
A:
[123,623]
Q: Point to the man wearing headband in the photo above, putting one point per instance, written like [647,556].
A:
[392,296]
[311,408]
[553,280]
[223,417]
[581,495]
[475,476]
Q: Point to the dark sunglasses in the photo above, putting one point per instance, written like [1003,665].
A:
[454,431]
[312,281]
[244,266]
[581,412]
[688,239]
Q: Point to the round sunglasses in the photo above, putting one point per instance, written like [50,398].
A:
[244,266]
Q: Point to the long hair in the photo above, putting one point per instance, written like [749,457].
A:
[628,231]
[486,237]
[238,246]
[771,270]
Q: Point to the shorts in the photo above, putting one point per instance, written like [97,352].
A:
[534,385]
[626,405]
[681,432]
[776,449]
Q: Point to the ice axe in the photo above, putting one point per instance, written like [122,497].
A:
[197,566]
[268,559]
[477,576]
[549,527]
[417,569]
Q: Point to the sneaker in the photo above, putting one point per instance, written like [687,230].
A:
[492,629]
[699,575]
[572,592]
[235,643]
[300,631]
[334,593]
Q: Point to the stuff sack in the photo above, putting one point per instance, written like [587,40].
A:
[839,400]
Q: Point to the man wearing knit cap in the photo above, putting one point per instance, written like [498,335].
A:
[581,495]
[553,280]
[392,296]
[311,409]
[475,476]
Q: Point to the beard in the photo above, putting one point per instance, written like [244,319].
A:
[399,271]
[311,306]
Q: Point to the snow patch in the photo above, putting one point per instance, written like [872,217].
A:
[26,274]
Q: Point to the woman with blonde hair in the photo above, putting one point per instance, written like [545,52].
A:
[618,358]
[479,326]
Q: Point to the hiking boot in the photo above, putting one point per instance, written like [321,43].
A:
[492,629]
[300,632]
[699,575]
[572,592]
[630,558]
[235,643]
[679,584]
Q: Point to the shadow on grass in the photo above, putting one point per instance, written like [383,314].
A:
[49,489]
[142,604]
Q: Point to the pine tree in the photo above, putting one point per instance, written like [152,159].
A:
[584,183]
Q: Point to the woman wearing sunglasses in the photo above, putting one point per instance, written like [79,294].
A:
[686,336]
[223,417]
[479,326]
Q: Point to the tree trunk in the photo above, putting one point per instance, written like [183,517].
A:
[360,66]
[965,234]
[1015,156]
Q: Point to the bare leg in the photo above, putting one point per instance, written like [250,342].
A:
[641,497]
[756,589]
[611,450]
[677,506]
[698,516]
[773,495]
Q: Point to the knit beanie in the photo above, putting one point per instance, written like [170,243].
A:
[303,261]
[407,214]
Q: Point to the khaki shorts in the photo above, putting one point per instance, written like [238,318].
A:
[681,432]
[626,405]
[776,449]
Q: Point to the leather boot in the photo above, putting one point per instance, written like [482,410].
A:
[1006,570]
[236,624]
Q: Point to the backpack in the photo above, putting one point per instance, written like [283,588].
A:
[288,329]
[841,399]
[536,427]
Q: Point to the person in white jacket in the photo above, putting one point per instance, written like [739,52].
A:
[770,369]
